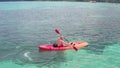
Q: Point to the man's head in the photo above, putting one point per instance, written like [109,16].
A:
[61,37]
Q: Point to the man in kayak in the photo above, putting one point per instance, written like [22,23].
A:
[61,42]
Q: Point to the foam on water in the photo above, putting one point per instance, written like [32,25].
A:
[27,56]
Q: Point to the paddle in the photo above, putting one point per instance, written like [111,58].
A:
[75,48]
[58,32]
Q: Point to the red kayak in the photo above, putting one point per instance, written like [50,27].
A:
[49,47]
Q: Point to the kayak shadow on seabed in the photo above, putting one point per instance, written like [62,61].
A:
[52,59]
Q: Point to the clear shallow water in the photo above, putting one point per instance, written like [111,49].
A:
[25,25]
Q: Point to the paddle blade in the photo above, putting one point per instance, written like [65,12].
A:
[57,31]
[75,48]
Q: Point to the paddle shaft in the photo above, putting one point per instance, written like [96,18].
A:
[58,32]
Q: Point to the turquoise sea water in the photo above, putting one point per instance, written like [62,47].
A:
[25,25]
